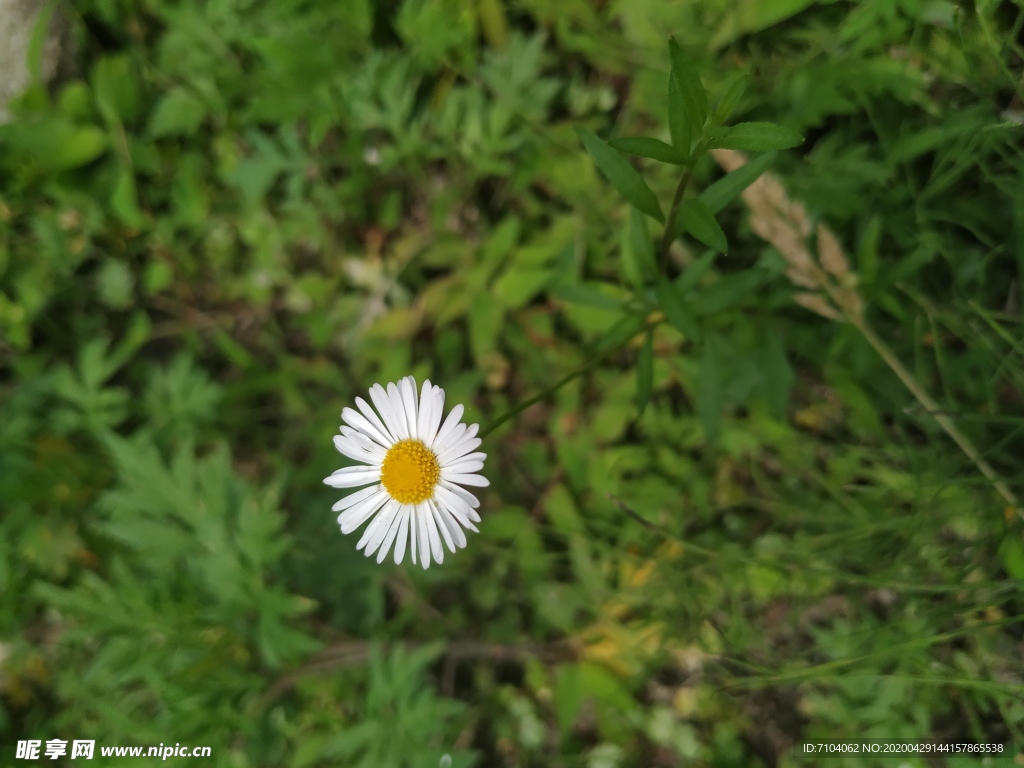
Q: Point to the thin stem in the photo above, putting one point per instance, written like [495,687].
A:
[519,408]
[935,411]
[670,223]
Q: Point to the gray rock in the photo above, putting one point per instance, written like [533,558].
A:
[17,24]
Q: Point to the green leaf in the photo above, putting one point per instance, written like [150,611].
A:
[518,286]
[55,143]
[116,89]
[694,217]
[756,137]
[778,375]
[645,146]
[709,392]
[678,125]
[600,295]
[123,201]
[643,246]
[114,283]
[644,373]
[678,316]
[624,329]
[729,100]
[1012,553]
[178,113]
[622,175]
[485,317]
[716,196]
[687,281]
[726,292]
[630,262]
[569,695]
[691,91]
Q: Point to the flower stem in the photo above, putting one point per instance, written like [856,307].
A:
[520,407]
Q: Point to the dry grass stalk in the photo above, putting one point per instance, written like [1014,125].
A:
[833,290]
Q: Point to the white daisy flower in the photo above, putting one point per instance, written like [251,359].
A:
[414,469]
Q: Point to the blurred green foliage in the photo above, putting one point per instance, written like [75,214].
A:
[734,533]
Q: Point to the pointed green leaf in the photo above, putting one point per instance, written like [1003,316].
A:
[716,196]
[695,98]
[124,200]
[644,373]
[709,392]
[643,247]
[594,294]
[624,329]
[485,318]
[678,125]
[630,263]
[687,281]
[1012,553]
[678,316]
[756,137]
[116,89]
[695,218]
[778,374]
[177,113]
[729,100]
[622,175]
[645,146]
[726,292]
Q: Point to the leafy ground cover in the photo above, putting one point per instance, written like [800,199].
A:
[789,512]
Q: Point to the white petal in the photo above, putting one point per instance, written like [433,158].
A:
[355,419]
[449,424]
[383,402]
[457,507]
[468,498]
[374,419]
[421,524]
[347,446]
[451,524]
[355,498]
[426,407]
[462,468]
[435,540]
[392,532]
[436,410]
[361,476]
[355,516]
[407,388]
[403,533]
[378,529]
[478,480]
[361,440]
[414,534]
[445,533]
[456,449]
[398,409]
[478,456]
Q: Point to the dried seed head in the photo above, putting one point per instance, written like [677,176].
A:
[831,253]
[816,303]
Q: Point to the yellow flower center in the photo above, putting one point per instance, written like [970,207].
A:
[409,472]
